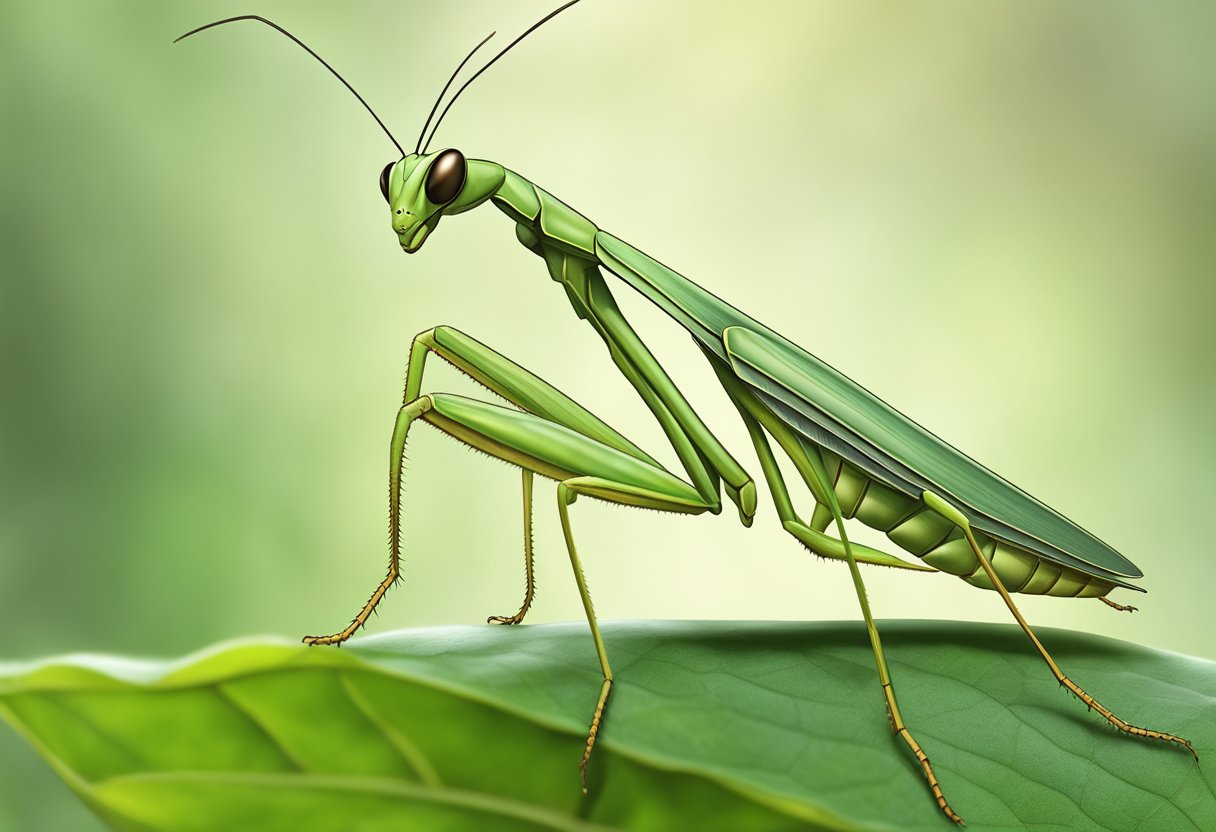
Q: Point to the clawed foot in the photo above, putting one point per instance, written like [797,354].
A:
[336,638]
[365,613]
[901,731]
[1119,607]
[508,620]
[596,720]
[1126,727]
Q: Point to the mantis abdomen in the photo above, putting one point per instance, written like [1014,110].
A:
[920,531]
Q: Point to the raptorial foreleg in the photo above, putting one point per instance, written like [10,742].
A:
[710,459]
[809,535]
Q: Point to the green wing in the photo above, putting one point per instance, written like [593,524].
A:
[804,385]
[835,412]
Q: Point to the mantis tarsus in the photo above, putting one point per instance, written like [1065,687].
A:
[857,456]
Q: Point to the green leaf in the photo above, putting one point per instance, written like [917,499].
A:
[711,725]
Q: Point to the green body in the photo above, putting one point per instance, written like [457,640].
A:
[878,461]
[857,456]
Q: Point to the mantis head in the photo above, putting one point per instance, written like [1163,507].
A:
[417,188]
[421,188]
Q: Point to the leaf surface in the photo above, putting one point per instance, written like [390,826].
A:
[711,725]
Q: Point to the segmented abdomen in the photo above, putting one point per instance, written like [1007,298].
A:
[922,532]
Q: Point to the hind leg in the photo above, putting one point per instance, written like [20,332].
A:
[955,516]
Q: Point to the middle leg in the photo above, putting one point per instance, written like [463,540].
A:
[529,575]
[582,466]
[810,465]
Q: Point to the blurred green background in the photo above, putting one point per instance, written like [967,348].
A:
[997,216]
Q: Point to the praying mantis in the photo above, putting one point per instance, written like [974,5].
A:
[858,457]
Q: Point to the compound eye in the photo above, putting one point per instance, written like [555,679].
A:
[446,177]
[384,175]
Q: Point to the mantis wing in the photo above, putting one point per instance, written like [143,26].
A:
[837,413]
[833,410]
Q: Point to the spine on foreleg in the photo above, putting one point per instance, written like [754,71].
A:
[918,530]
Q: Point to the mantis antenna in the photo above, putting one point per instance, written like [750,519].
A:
[490,63]
[303,46]
[444,91]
